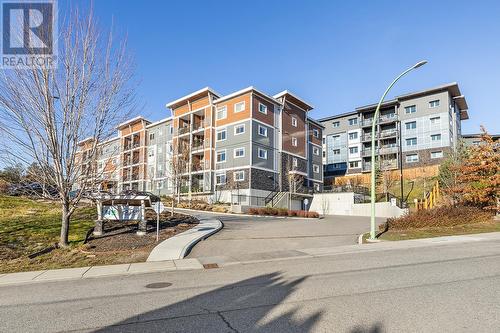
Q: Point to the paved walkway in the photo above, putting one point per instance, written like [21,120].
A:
[244,236]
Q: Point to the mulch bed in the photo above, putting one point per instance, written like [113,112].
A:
[121,236]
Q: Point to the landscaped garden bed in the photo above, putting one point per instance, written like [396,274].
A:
[440,221]
[282,212]
[31,227]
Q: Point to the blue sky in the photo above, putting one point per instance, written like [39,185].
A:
[335,54]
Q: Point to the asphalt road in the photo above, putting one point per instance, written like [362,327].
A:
[243,236]
[443,287]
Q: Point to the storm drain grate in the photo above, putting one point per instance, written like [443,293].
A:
[158,285]
[210,266]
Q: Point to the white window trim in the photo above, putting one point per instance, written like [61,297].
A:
[295,162]
[349,121]
[435,120]
[225,155]
[221,174]
[239,103]
[237,149]
[410,106]
[353,133]
[259,150]
[295,121]
[435,140]
[438,103]
[265,110]
[336,124]
[316,151]
[412,145]
[440,152]
[316,168]
[294,141]
[220,131]
[356,152]
[220,109]
[240,125]
[239,172]
[265,128]
[316,133]
[412,161]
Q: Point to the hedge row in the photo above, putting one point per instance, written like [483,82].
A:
[282,212]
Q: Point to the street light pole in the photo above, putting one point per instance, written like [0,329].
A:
[374,124]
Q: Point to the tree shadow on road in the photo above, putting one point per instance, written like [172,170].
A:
[245,306]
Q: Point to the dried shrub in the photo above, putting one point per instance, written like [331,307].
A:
[253,211]
[219,209]
[282,212]
[313,214]
[446,216]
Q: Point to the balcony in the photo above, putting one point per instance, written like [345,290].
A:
[389,133]
[389,149]
[387,118]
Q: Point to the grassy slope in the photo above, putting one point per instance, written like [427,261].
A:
[27,225]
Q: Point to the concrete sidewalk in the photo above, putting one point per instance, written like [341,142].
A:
[98,271]
[222,261]
[178,246]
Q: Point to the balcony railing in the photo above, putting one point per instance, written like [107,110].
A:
[382,119]
[388,133]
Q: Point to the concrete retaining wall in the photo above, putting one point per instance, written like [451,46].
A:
[343,204]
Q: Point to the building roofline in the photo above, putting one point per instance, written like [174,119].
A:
[478,135]
[244,91]
[316,122]
[159,122]
[133,120]
[287,92]
[197,92]
[341,115]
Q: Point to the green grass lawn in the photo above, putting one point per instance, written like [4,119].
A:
[27,226]
[476,228]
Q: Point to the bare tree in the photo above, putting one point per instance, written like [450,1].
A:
[177,168]
[47,111]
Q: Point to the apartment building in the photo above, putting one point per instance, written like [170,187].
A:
[244,147]
[414,130]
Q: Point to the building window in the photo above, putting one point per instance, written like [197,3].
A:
[435,120]
[220,178]
[412,158]
[294,122]
[316,151]
[221,156]
[436,154]
[316,187]
[353,150]
[239,152]
[411,125]
[324,140]
[324,153]
[353,121]
[239,129]
[151,136]
[436,137]
[171,129]
[336,152]
[410,109]
[295,162]
[262,108]
[411,142]
[353,136]
[151,152]
[354,164]
[262,153]
[294,141]
[221,135]
[262,131]
[316,133]
[434,104]
[336,137]
[238,107]
[239,176]
[221,112]
[315,168]
[336,124]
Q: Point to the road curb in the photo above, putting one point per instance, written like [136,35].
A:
[178,247]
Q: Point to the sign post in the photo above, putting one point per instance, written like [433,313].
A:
[159,207]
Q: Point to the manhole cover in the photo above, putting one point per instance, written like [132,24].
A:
[210,266]
[158,285]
